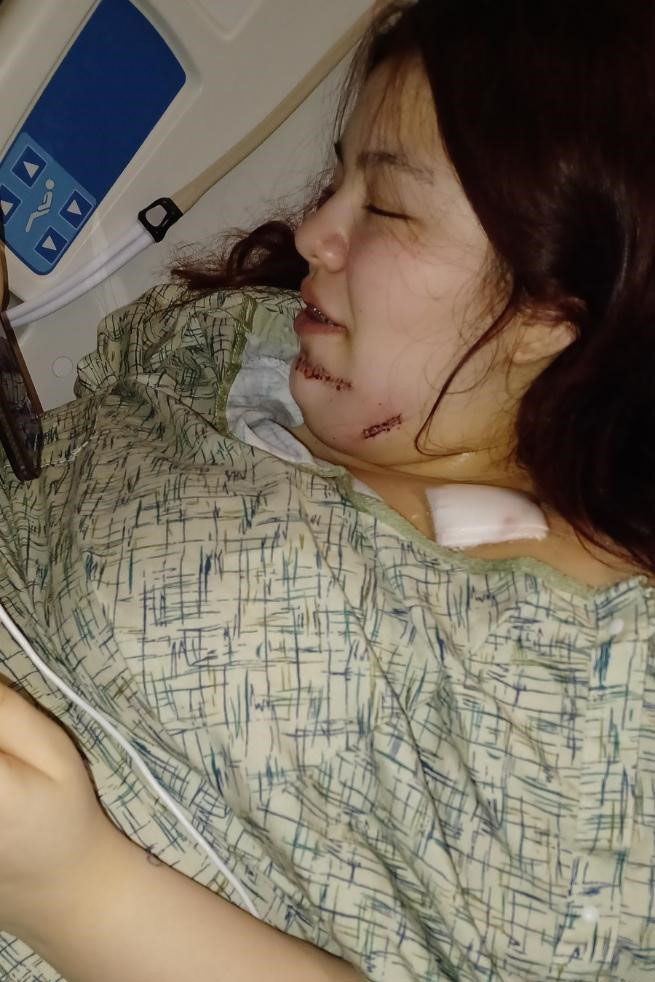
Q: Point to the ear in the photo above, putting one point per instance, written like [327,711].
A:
[540,342]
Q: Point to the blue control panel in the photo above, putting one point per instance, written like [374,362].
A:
[113,86]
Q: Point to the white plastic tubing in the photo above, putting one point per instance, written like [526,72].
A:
[137,237]
[136,759]
[107,262]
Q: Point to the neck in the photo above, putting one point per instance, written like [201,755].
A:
[488,465]
[403,488]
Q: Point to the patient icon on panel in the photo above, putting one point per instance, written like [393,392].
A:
[44,207]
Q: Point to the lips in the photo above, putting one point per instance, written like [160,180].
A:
[319,314]
[305,324]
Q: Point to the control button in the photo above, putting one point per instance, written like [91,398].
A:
[615,627]
[28,167]
[51,245]
[44,206]
[9,202]
[76,209]
[590,915]
[62,367]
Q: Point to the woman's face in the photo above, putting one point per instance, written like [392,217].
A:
[404,287]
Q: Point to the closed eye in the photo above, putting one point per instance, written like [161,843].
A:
[385,214]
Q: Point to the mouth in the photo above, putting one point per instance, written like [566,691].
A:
[313,310]
[317,314]
[311,320]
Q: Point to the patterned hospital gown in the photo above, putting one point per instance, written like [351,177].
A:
[434,766]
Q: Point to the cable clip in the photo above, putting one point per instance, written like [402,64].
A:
[158,217]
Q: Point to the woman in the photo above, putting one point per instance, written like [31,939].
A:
[435,763]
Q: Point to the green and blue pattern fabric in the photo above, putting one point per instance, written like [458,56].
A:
[433,766]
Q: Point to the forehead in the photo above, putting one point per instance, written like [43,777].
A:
[395,113]
[395,119]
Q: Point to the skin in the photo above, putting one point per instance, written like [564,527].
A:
[385,427]
[93,904]
[413,293]
[409,293]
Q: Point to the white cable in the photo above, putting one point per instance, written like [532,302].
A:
[97,262]
[109,727]
[75,286]
[117,261]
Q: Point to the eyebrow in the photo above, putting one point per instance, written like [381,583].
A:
[384,158]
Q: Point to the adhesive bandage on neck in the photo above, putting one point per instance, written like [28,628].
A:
[466,515]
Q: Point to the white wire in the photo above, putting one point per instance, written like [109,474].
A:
[99,260]
[99,269]
[20,638]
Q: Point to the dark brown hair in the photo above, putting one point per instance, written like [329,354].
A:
[546,109]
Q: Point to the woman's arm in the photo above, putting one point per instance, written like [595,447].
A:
[135,920]
[94,904]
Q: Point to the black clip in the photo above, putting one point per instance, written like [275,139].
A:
[166,213]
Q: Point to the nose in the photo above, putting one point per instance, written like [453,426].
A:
[322,238]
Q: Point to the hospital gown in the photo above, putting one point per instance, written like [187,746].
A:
[434,766]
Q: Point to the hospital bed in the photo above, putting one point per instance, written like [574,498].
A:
[122,117]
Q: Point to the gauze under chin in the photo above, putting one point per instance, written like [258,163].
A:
[466,515]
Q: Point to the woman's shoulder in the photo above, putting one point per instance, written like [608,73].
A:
[562,553]
[567,554]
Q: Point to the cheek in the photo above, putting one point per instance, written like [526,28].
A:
[315,371]
[398,373]
[375,265]
[345,416]
[385,426]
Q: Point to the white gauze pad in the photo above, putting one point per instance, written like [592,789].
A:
[476,514]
